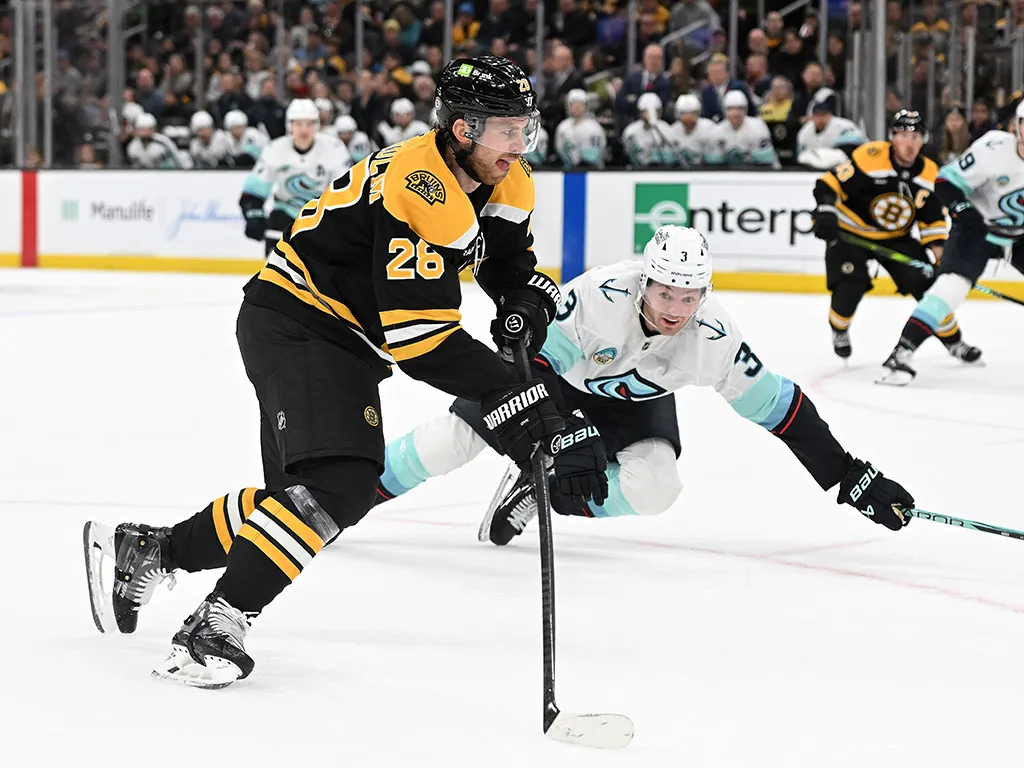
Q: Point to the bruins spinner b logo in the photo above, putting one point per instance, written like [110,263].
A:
[892,211]
[426,185]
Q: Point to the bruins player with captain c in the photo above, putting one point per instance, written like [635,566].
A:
[367,277]
[885,188]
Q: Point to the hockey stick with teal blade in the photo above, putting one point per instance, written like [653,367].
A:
[602,731]
[959,522]
[924,266]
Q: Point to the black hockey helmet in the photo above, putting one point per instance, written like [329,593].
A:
[484,87]
[908,120]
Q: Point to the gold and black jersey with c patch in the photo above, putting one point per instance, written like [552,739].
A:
[879,200]
[373,264]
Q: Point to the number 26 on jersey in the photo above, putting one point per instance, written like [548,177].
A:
[410,260]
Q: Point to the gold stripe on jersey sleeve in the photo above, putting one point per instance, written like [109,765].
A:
[421,347]
[272,276]
[340,309]
[830,179]
[294,525]
[220,523]
[248,502]
[929,232]
[268,548]
[312,213]
[391,317]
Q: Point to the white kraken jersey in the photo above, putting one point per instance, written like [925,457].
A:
[539,155]
[294,178]
[209,155]
[838,132]
[597,345]
[359,146]
[580,141]
[692,147]
[648,143]
[245,151]
[329,130]
[750,144]
[991,174]
[156,152]
[392,134]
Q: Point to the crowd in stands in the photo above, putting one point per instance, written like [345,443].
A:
[682,103]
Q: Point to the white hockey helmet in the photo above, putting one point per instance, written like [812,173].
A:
[576,96]
[345,124]
[677,257]
[201,119]
[649,103]
[735,99]
[325,106]
[302,109]
[687,103]
[236,118]
[402,107]
[130,111]
[145,121]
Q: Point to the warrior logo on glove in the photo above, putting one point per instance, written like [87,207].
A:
[514,324]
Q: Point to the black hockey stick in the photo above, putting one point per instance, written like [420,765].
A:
[960,522]
[589,730]
[924,266]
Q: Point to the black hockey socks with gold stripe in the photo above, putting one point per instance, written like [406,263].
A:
[917,330]
[845,299]
[278,540]
[204,540]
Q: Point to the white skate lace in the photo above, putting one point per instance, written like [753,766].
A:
[141,590]
[523,512]
[228,620]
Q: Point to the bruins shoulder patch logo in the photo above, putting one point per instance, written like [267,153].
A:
[526,166]
[426,185]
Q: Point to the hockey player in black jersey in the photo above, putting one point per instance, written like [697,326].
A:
[367,277]
[885,188]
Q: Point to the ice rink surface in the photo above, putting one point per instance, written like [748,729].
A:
[756,624]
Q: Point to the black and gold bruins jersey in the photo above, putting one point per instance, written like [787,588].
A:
[876,200]
[374,263]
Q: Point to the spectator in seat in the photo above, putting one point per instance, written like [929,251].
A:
[687,12]
[647,33]
[561,79]
[741,139]
[956,136]
[837,61]
[267,112]
[773,32]
[757,42]
[573,25]
[234,97]
[649,79]
[411,27]
[791,57]
[893,104]
[758,79]
[932,24]
[813,80]
[466,27]
[391,43]
[432,33]
[719,83]
[423,88]
[777,115]
[661,14]
[981,119]
[147,95]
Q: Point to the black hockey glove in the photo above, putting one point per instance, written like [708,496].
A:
[968,217]
[255,224]
[521,416]
[826,223]
[877,497]
[525,314]
[581,463]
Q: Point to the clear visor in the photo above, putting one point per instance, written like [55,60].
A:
[516,135]
[673,300]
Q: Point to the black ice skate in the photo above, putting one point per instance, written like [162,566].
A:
[964,352]
[896,371]
[141,562]
[514,505]
[841,343]
[209,649]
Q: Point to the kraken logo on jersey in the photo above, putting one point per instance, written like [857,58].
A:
[892,211]
[1012,204]
[627,386]
[303,188]
[426,185]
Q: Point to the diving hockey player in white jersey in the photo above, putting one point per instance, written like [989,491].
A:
[626,337]
[983,192]
[293,169]
[149,149]
[825,140]
[691,134]
[741,139]
[646,140]
[405,125]
[209,146]
[538,156]
[244,143]
[358,143]
[580,139]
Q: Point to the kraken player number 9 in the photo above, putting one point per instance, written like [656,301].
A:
[429,264]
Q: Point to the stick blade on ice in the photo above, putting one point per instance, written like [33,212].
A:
[592,730]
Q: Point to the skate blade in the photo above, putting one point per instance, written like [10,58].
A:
[98,545]
[507,481]
[181,668]
[892,378]
[595,731]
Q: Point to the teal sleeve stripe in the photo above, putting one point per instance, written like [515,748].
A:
[254,185]
[560,350]
[763,156]
[615,505]
[291,210]
[1002,242]
[767,402]
[403,469]
[931,310]
[951,173]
